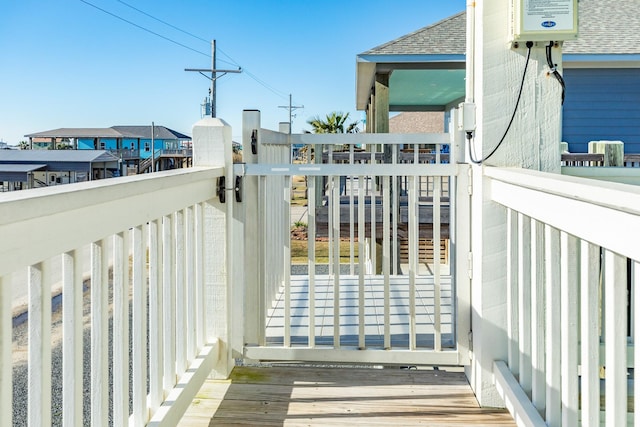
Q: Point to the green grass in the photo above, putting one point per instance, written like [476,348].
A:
[299,252]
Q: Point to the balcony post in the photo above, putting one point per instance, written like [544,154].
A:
[212,146]
[254,304]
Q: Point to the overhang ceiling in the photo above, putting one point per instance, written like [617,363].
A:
[416,82]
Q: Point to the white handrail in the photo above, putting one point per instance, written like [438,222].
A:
[578,232]
[109,215]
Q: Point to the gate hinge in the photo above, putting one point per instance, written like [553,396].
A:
[221,189]
[470,261]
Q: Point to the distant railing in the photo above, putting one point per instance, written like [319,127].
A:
[594,159]
[147,243]
[571,301]
[126,154]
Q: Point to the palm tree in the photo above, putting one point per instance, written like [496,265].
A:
[333,123]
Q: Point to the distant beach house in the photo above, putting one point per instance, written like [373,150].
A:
[25,169]
[131,144]
[425,71]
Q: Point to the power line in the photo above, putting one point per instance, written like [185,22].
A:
[163,22]
[247,72]
[144,29]
[179,29]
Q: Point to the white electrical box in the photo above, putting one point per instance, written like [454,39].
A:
[467,118]
[544,20]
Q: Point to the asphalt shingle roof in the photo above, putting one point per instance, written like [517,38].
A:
[143,132]
[604,27]
[161,132]
[443,37]
[47,156]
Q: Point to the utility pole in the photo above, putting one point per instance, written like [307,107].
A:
[214,76]
[291,108]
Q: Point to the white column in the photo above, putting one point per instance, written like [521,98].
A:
[494,75]
[212,146]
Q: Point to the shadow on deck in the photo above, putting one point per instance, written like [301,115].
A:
[286,395]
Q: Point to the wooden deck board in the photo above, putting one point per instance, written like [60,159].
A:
[295,396]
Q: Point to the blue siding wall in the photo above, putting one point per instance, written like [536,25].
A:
[601,104]
[85,144]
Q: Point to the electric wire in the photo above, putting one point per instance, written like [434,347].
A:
[163,22]
[515,110]
[553,70]
[234,62]
[145,29]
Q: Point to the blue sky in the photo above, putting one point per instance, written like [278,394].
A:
[65,63]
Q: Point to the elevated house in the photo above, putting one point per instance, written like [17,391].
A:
[532,310]
[25,169]
[424,71]
[132,144]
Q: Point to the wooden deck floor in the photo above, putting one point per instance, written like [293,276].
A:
[296,396]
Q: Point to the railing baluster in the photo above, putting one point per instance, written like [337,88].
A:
[181,320]
[72,348]
[6,366]
[374,252]
[395,190]
[524,300]
[156,394]
[139,351]
[286,256]
[335,260]
[169,302]
[615,267]
[553,337]
[190,285]
[99,333]
[537,316]
[351,216]
[39,399]
[311,250]
[590,336]
[386,262]
[512,293]
[568,331]
[361,233]
[437,301]
[413,212]
[266,297]
[121,243]
[199,276]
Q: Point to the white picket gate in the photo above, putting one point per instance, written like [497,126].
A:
[381,198]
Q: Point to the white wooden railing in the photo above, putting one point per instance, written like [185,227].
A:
[570,244]
[156,245]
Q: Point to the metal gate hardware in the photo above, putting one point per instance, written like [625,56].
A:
[220,191]
[238,189]
[254,141]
